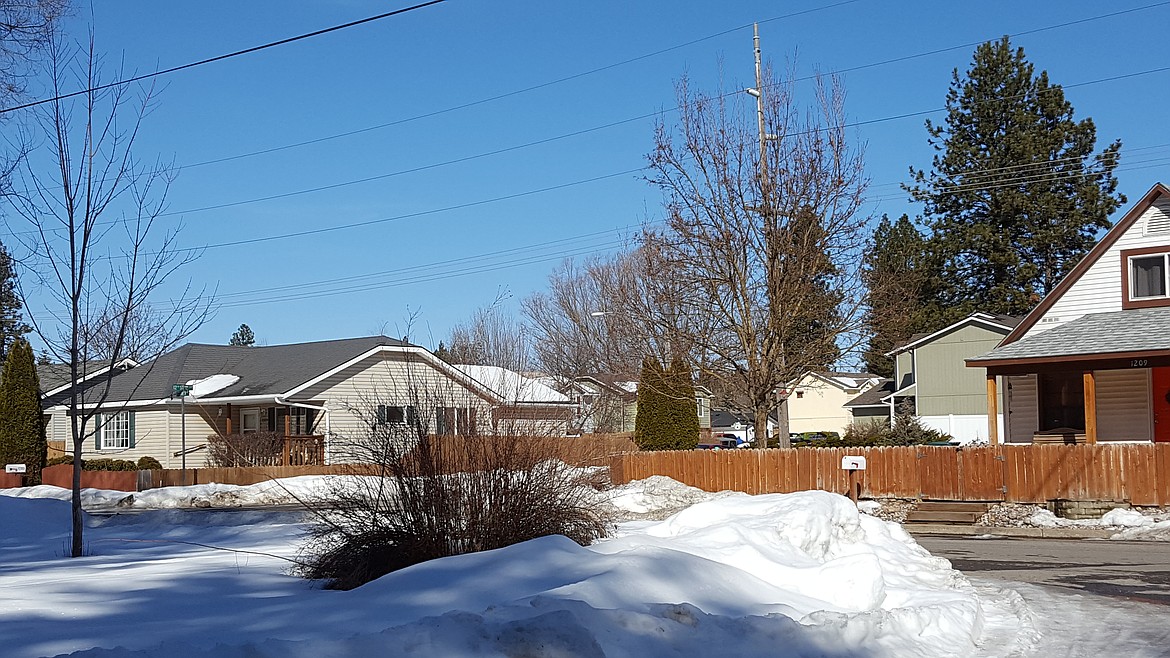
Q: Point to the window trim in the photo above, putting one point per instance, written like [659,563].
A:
[1127,256]
[107,419]
[244,413]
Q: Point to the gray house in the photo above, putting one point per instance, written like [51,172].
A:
[930,373]
[318,396]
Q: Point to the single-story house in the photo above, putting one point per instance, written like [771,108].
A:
[1092,361]
[929,373]
[609,403]
[325,394]
[816,401]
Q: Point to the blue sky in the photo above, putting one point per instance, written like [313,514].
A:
[460,232]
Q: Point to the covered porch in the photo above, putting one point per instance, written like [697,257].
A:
[1101,378]
[271,432]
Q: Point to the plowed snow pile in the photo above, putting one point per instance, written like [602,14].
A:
[784,574]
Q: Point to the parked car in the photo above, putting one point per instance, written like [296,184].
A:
[721,442]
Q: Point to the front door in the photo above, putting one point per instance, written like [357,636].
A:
[1161,395]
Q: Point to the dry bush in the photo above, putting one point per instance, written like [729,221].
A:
[251,449]
[414,496]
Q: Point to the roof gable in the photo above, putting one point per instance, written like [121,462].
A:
[1158,193]
[1003,324]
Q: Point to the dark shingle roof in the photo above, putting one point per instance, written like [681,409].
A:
[721,418]
[268,370]
[1136,330]
[873,396]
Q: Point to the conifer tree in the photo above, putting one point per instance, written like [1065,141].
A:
[650,424]
[1015,195]
[243,337]
[12,324]
[684,417]
[22,431]
[896,273]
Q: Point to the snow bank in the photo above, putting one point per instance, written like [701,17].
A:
[798,574]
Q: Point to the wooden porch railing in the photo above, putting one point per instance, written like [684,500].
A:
[303,450]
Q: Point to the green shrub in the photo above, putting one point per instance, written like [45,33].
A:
[63,459]
[147,463]
[109,465]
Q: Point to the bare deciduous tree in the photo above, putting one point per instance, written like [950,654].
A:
[764,235]
[97,251]
[490,338]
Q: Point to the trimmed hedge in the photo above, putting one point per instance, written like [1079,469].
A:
[103,464]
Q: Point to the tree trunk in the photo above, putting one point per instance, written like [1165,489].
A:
[783,428]
[76,549]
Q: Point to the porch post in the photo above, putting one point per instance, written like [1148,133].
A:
[229,419]
[1090,407]
[992,411]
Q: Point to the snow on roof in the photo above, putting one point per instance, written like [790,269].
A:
[512,386]
[209,385]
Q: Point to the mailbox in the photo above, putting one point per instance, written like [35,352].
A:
[853,463]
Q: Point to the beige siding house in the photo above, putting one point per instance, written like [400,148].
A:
[929,373]
[322,396]
[816,402]
[609,404]
[1092,361]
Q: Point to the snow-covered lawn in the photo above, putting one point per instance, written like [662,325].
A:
[734,575]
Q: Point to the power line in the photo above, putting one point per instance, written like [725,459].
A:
[516,92]
[217,58]
[631,60]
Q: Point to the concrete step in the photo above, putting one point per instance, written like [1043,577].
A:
[963,518]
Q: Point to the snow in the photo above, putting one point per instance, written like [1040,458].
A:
[512,386]
[781,574]
[1132,524]
[209,385]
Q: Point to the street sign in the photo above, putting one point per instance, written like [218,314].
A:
[180,390]
[853,463]
[15,468]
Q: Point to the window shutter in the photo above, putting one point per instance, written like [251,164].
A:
[381,414]
[410,419]
[131,414]
[97,431]
[441,421]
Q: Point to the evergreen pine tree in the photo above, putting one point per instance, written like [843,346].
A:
[684,417]
[650,423]
[243,337]
[1015,195]
[897,279]
[22,431]
[12,324]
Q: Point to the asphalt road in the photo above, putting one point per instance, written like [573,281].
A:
[1134,571]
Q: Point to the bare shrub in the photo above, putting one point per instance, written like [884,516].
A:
[435,473]
[251,449]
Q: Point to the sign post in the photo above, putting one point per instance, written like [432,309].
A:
[181,391]
[853,464]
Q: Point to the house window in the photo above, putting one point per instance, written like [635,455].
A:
[117,430]
[702,405]
[1147,277]
[1146,273]
[392,415]
[455,421]
[250,421]
[799,394]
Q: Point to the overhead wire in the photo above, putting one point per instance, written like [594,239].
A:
[218,58]
[631,60]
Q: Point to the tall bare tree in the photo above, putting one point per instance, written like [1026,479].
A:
[490,338]
[606,314]
[764,233]
[97,250]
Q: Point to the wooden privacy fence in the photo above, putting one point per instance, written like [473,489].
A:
[1135,473]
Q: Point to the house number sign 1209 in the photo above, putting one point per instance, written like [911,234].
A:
[1139,363]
